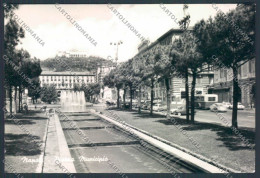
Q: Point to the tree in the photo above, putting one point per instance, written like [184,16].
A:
[77,87]
[114,79]
[138,67]
[33,90]
[49,94]
[31,68]
[129,78]
[194,62]
[148,59]
[91,91]
[12,35]
[163,69]
[229,41]
[179,61]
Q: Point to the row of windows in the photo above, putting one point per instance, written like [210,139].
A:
[70,80]
[248,67]
[78,55]
[78,82]
[60,85]
[66,77]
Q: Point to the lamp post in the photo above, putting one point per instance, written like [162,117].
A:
[184,23]
[117,44]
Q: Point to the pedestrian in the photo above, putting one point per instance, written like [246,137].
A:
[26,108]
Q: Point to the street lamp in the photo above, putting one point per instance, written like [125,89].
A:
[184,23]
[117,44]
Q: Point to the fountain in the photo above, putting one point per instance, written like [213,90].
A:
[72,101]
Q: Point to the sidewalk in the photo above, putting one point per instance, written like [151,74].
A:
[57,158]
[217,143]
[25,136]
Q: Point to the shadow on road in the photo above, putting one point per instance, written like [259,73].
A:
[22,145]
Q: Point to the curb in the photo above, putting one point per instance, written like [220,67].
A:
[175,150]
[39,168]
[63,146]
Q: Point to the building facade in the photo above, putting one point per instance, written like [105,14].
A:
[72,53]
[66,80]
[105,93]
[177,82]
[223,85]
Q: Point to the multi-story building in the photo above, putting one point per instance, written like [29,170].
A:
[223,85]
[102,71]
[177,82]
[105,93]
[66,80]
[72,53]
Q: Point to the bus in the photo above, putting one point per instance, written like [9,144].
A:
[204,101]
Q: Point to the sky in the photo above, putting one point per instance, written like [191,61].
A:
[59,34]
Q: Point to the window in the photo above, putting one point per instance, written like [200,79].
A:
[211,98]
[199,98]
[183,95]
[225,73]
[245,70]
[239,71]
[198,92]
[221,73]
[199,80]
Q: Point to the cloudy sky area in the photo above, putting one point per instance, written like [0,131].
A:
[103,25]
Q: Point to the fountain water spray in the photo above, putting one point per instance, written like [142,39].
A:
[72,101]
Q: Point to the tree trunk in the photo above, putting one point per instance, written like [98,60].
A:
[15,99]
[124,97]
[168,98]
[118,94]
[131,97]
[152,95]
[235,99]
[139,99]
[193,85]
[187,95]
[19,100]
[10,98]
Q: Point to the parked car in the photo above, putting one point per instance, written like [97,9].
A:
[239,106]
[146,104]
[159,107]
[227,104]
[134,103]
[180,110]
[218,107]
[110,103]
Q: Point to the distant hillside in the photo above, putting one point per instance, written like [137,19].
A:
[75,64]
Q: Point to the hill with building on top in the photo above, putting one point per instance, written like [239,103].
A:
[78,64]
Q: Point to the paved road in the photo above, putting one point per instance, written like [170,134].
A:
[124,152]
[245,119]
